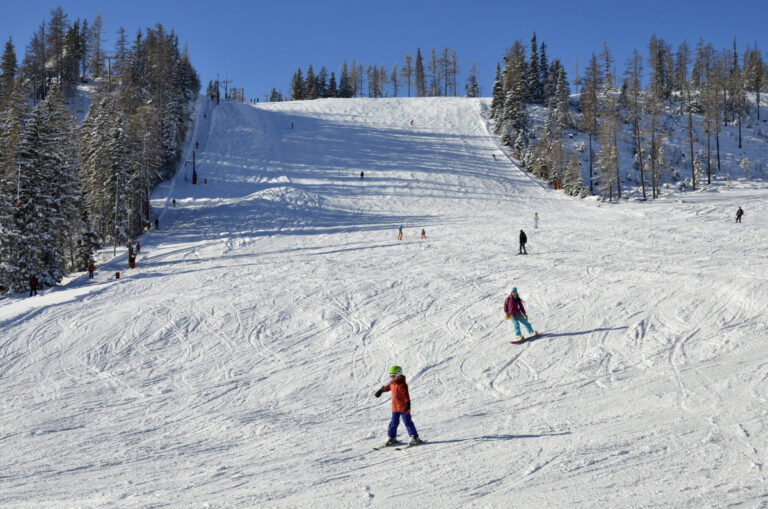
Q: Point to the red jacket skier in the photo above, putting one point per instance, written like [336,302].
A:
[401,406]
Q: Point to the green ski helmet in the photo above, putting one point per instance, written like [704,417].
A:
[395,370]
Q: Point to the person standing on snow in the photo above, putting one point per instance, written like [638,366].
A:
[513,308]
[400,233]
[401,406]
[91,268]
[523,240]
[423,234]
[138,246]
[739,213]
[535,219]
[33,286]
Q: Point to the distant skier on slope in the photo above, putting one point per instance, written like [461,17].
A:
[739,213]
[523,240]
[535,219]
[401,406]
[33,286]
[423,234]
[513,308]
[400,233]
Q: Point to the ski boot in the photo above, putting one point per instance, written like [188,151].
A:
[391,441]
[519,337]
[415,440]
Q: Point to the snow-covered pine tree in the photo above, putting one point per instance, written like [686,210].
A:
[633,77]
[497,101]
[471,88]
[49,190]
[516,90]
[143,139]
[96,46]
[544,70]
[297,86]
[88,243]
[573,183]
[57,29]
[607,155]
[103,162]
[71,197]
[8,68]
[85,53]
[10,240]
[346,88]
[73,48]
[333,91]
[421,84]
[322,82]
[13,116]
[591,83]
[533,77]
[755,73]
[562,99]
[310,85]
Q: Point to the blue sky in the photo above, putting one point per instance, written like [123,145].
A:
[259,45]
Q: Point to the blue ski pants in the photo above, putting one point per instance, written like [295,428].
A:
[525,322]
[395,422]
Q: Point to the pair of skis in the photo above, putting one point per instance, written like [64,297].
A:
[408,446]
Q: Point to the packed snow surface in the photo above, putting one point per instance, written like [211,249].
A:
[236,365]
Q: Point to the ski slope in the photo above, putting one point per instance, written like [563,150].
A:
[236,365]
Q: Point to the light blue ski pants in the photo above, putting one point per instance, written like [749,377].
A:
[525,322]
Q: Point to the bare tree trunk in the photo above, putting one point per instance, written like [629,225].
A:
[709,157]
[739,130]
[717,142]
[725,106]
[618,171]
[690,139]
[639,148]
[591,190]
[653,159]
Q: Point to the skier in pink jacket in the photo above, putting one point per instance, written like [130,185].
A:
[513,308]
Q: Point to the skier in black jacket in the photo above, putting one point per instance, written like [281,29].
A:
[523,240]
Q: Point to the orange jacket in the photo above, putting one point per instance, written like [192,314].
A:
[399,394]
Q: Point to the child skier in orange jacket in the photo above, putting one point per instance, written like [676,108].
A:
[401,406]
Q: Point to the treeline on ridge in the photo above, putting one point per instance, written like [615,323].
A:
[65,191]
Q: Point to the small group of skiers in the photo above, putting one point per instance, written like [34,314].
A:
[401,399]
[514,309]
[400,233]
[524,237]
